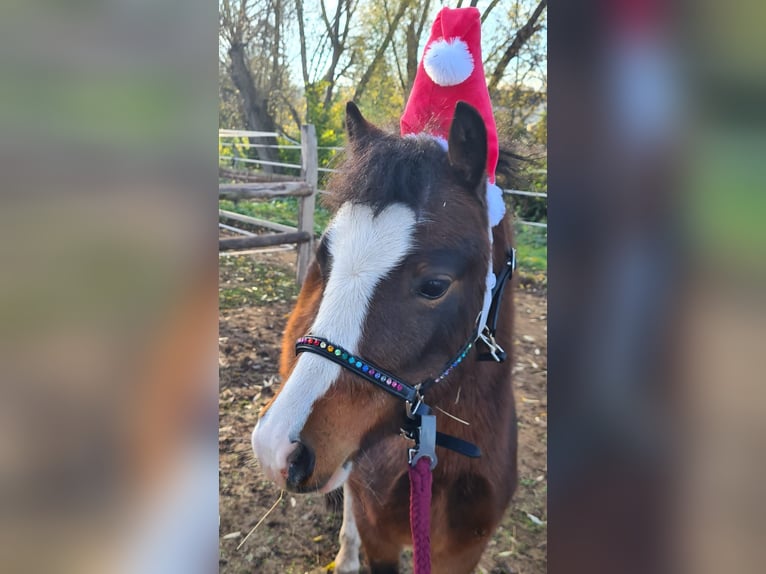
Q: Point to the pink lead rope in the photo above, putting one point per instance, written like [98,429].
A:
[420,514]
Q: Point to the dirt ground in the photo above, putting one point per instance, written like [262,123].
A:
[300,534]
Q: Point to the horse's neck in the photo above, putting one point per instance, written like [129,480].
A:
[501,240]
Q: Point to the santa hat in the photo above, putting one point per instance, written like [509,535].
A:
[450,71]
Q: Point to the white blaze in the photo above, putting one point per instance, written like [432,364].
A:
[364,249]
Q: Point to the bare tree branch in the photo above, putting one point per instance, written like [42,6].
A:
[338,39]
[347,67]
[522,36]
[336,20]
[350,9]
[362,85]
[394,50]
[413,41]
[402,81]
[304,63]
[296,117]
[325,19]
[423,16]
[491,56]
[489,9]
[276,76]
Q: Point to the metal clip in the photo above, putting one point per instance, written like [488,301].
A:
[418,409]
[425,443]
[492,345]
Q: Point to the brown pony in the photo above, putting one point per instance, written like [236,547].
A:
[399,279]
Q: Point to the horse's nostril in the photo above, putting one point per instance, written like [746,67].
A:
[300,465]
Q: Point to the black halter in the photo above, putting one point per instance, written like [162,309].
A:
[421,423]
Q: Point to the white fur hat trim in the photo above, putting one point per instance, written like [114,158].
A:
[495,204]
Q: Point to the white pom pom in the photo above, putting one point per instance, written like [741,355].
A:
[448,62]
[495,204]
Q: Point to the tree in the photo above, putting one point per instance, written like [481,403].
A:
[382,47]
[406,43]
[244,25]
[522,37]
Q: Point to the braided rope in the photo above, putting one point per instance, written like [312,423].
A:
[420,515]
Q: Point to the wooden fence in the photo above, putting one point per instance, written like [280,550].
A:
[259,185]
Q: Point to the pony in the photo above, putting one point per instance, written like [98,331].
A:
[399,278]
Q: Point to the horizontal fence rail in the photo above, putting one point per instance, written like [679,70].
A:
[527,193]
[236,229]
[264,190]
[263,240]
[253,176]
[251,145]
[246,134]
[255,221]
[257,161]
[532,223]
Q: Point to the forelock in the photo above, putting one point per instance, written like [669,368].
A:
[392,169]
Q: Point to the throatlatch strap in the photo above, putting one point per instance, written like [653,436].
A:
[458,445]
[497,292]
[496,352]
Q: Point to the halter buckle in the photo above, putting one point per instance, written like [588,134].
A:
[495,350]
[418,408]
[511,260]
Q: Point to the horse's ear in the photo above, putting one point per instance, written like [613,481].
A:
[358,128]
[467,149]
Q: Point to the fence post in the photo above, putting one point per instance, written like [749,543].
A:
[310,174]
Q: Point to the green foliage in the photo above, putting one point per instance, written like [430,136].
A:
[328,124]
[531,249]
[519,113]
[531,176]
[539,130]
[382,102]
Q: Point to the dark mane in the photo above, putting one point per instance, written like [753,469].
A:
[391,169]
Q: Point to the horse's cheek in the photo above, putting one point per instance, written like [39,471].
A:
[300,320]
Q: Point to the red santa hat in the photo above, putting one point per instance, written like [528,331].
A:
[450,71]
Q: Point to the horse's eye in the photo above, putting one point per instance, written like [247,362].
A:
[433,288]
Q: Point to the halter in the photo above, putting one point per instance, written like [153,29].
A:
[420,424]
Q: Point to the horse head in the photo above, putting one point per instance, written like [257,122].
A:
[398,278]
